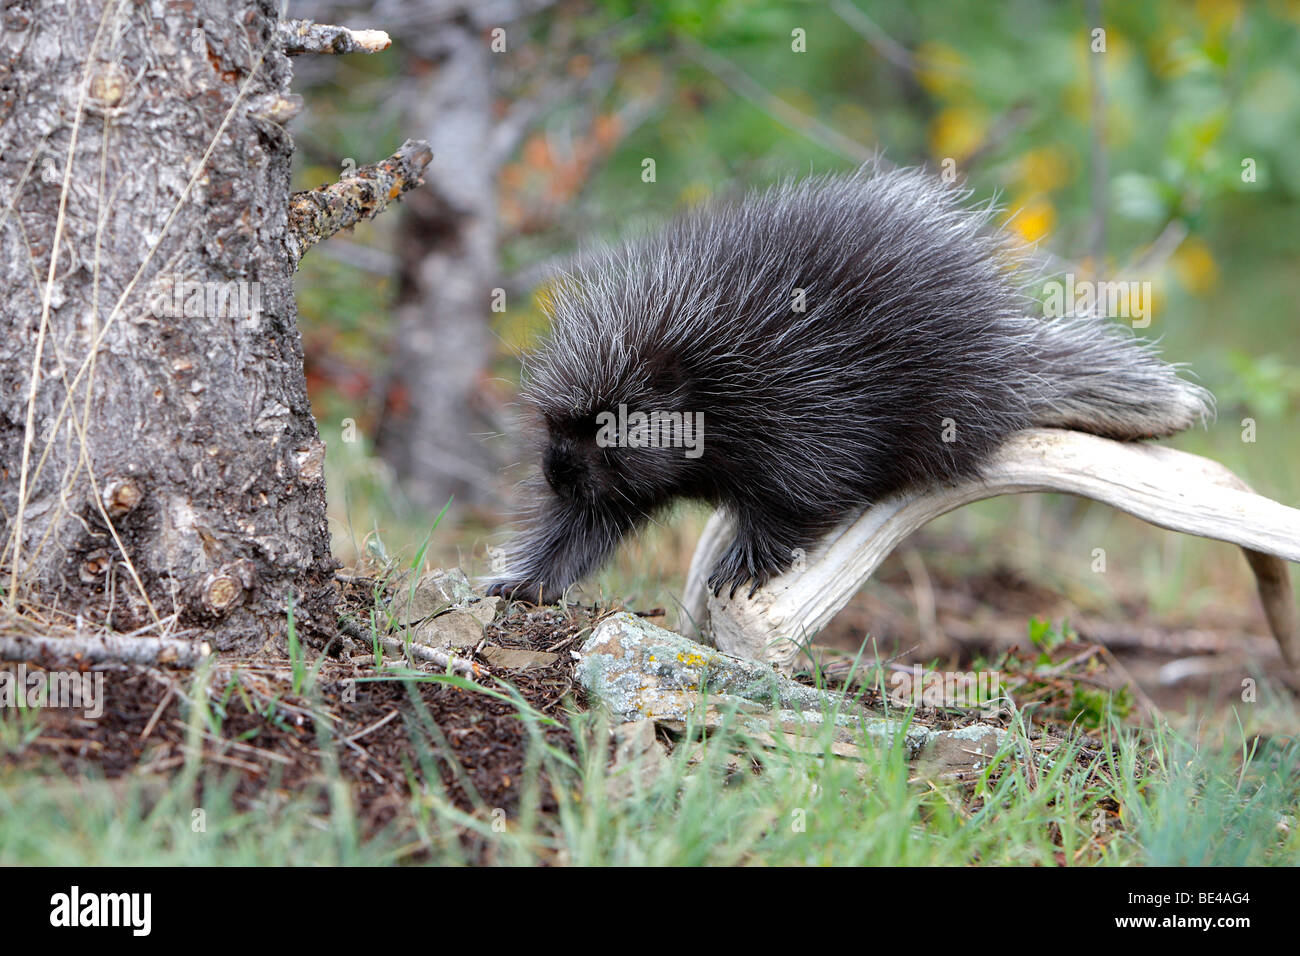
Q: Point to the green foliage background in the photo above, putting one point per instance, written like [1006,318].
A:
[1193,91]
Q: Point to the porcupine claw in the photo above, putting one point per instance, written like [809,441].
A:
[529,591]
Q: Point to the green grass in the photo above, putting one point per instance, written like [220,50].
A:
[1154,798]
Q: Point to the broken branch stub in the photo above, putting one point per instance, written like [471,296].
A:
[1168,488]
[306,36]
[316,214]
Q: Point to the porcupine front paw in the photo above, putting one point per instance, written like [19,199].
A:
[531,591]
[747,560]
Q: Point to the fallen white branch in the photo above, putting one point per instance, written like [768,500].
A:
[1169,488]
[457,665]
[103,649]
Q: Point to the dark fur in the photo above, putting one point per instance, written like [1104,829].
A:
[914,314]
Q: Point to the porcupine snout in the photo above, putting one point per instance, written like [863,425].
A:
[567,469]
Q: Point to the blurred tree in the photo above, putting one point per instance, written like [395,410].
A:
[432,425]
[480,77]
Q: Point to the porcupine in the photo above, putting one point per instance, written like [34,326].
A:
[911,353]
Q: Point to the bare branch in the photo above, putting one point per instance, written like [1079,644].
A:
[882,42]
[743,85]
[526,111]
[439,658]
[304,36]
[319,213]
[1164,246]
[104,648]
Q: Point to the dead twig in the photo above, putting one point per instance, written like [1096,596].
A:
[317,214]
[104,649]
[306,36]
[440,658]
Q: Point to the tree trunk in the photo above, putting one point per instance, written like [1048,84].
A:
[158,451]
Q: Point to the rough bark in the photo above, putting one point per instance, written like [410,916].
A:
[157,463]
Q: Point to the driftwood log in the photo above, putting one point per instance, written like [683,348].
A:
[1168,488]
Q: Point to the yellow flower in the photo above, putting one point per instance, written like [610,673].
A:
[940,68]
[1032,218]
[1195,267]
[1045,169]
[956,132]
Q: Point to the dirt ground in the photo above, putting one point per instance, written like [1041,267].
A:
[382,732]
[386,733]
[926,612]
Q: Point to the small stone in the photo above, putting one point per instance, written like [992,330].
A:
[448,584]
[434,593]
[456,628]
[639,759]
[965,750]
[486,609]
[517,658]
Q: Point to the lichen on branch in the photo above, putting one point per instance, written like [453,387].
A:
[305,36]
[316,214]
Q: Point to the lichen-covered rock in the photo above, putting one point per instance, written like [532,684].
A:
[638,671]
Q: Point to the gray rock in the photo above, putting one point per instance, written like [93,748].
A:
[438,590]
[485,610]
[517,658]
[639,759]
[964,750]
[441,609]
[457,628]
[638,671]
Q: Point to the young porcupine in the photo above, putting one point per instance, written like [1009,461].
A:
[909,356]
